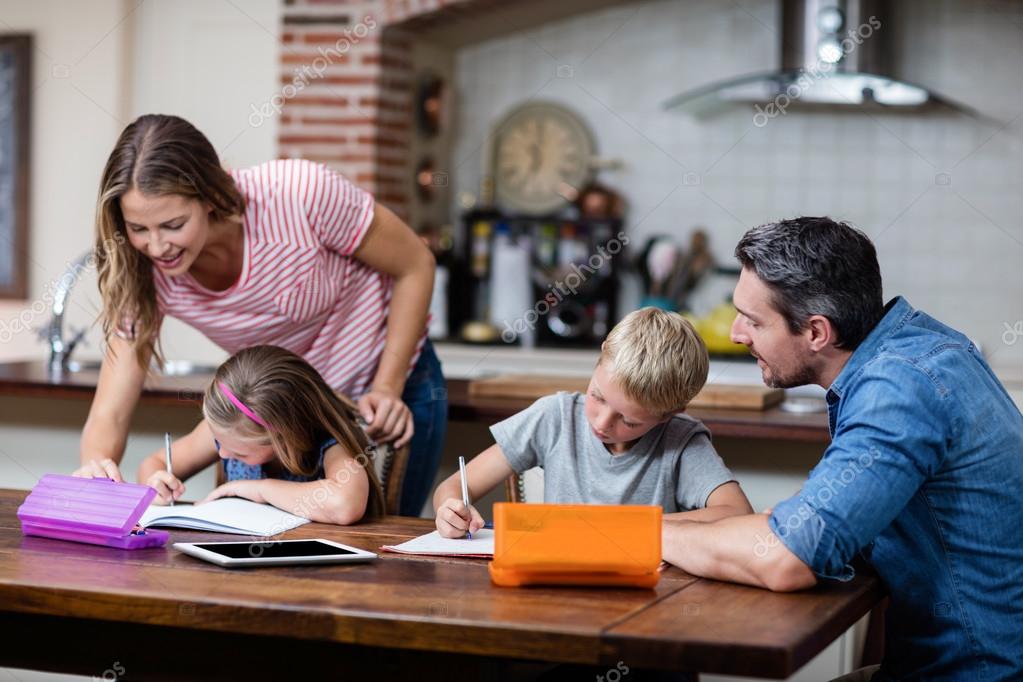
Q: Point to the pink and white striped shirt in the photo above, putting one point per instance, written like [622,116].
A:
[300,287]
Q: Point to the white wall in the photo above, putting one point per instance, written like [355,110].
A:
[209,62]
[100,64]
[78,109]
[953,249]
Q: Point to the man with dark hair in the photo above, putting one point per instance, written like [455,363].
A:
[924,474]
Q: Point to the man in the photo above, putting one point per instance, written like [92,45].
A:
[924,473]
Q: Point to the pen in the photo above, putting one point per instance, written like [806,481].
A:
[167,454]
[465,490]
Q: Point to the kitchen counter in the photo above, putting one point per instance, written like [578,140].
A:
[32,379]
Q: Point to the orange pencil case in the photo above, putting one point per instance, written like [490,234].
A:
[576,544]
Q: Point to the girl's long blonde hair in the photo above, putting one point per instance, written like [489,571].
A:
[298,407]
[157,155]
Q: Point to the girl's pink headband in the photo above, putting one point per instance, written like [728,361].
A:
[241,406]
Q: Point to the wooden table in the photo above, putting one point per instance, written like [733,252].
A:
[158,614]
[33,379]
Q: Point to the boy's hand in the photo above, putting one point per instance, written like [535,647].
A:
[167,486]
[453,519]
[99,468]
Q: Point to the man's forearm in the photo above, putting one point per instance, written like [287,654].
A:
[739,549]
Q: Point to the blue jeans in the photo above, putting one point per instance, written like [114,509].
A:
[426,395]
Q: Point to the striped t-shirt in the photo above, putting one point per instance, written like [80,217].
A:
[300,287]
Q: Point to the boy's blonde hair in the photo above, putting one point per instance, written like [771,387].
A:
[657,359]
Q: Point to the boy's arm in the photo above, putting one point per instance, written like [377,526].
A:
[483,473]
[726,500]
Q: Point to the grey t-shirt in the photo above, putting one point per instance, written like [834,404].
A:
[673,465]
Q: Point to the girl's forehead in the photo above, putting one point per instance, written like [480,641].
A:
[236,435]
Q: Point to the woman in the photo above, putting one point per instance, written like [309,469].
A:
[287,253]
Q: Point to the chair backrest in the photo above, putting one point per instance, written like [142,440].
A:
[390,465]
[527,487]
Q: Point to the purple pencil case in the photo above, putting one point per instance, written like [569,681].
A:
[93,510]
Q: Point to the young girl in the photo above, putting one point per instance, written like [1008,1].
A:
[284,436]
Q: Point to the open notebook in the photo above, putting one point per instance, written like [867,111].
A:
[432,544]
[224,515]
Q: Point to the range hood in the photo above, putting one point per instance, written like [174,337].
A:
[834,53]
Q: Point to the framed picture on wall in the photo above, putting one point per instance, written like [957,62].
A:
[15,72]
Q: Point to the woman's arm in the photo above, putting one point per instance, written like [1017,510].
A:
[191,454]
[340,498]
[392,248]
[106,428]
[726,500]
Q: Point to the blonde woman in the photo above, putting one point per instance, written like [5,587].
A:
[287,253]
[285,437]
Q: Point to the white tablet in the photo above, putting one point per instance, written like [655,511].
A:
[274,552]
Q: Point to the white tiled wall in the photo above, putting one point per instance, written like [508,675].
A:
[952,249]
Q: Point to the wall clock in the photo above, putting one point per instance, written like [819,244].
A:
[541,158]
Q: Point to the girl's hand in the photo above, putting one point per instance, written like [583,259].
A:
[168,487]
[453,519]
[102,468]
[250,490]
[388,417]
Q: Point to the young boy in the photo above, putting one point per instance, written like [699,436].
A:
[621,443]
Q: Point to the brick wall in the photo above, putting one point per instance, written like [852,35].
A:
[347,88]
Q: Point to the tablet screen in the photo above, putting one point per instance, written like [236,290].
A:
[273,550]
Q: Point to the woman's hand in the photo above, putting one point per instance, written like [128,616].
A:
[99,468]
[453,520]
[250,490]
[168,487]
[389,418]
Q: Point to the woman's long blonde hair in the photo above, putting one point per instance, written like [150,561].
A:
[157,155]
[297,405]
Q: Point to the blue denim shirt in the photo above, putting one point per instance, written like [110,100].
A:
[924,477]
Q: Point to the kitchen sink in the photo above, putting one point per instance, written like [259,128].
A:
[172,368]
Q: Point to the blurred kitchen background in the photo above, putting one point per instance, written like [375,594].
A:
[440,108]
[617,145]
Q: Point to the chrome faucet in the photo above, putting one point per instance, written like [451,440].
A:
[61,348]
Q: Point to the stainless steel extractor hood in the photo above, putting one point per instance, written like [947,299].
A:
[834,53]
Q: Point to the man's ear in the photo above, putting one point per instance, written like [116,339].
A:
[820,333]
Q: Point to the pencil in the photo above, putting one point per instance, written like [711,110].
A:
[167,455]
[465,491]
